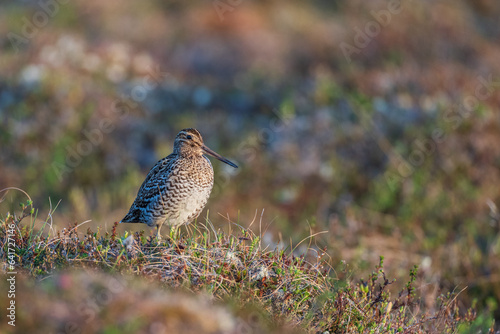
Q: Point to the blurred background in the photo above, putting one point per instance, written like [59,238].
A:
[375,121]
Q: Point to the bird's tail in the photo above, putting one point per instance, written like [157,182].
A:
[130,220]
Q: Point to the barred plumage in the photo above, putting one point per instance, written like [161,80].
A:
[177,188]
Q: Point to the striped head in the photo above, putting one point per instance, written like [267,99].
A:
[189,142]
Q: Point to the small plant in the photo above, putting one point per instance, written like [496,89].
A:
[292,290]
[368,307]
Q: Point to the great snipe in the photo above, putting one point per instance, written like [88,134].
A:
[178,186]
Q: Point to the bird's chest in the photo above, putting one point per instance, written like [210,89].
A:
[194,176]
[193,187]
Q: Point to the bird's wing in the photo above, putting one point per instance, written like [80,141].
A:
[150,190]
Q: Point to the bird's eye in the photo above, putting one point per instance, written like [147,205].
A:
[189,137]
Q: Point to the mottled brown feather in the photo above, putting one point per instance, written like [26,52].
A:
[177,188]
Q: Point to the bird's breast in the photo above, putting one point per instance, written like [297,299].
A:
[189,188]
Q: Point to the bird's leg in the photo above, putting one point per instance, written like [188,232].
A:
[158,235]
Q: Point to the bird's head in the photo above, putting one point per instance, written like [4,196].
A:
[189,142]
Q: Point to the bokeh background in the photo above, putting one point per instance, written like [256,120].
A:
[376,121]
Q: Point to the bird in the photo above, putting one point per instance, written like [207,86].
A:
[178,186]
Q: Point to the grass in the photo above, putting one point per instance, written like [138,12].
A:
[321,141]
[204,274]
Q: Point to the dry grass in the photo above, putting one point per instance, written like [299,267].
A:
[179,283]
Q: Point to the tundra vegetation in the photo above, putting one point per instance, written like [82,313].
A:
[362,129]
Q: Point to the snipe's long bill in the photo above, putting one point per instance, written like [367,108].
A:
[216,155]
